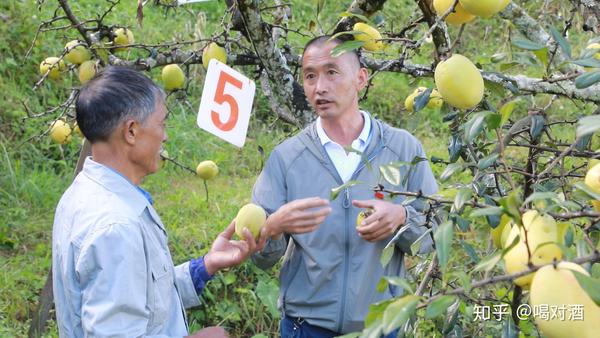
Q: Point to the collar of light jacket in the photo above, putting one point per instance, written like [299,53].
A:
[310,139]
[115,182]
[362,137]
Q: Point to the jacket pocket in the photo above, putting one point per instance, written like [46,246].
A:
[161,288]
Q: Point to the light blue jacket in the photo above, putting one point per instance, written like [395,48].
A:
[112,271]
[329,276]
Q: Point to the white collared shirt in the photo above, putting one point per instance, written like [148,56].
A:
[345,162]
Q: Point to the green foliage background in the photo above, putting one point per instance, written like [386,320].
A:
[34,171]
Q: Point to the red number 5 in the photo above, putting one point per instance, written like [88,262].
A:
[221,97]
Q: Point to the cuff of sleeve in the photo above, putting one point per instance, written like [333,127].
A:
[185,286]
[199,274]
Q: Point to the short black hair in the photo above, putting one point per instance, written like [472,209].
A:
[319,40]
[113,95]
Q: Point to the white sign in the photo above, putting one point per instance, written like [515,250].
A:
[226,103]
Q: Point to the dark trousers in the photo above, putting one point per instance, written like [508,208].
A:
[298,328]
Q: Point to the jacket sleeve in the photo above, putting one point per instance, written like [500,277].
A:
[270,192]
[111,269]
[420,179]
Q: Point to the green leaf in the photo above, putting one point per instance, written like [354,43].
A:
[439,306]
[475,125]
[489,262]
[336,191]
[506,110]
[350,335]
[587,190]
[587,62]
[526,44]
[590,285]
[511,204]
[381,285]
[346,47]
[542,55]
[399,281]
[422,99]
[443,242]
[587,79]
[562,42]
[489,211]
[487,161]
[360,17]
[454,148]
[470,251]
[398,313]
[588,125]
[376,312]
[390,173]
[493,120]
[386,255]
[538,123]
[536,196]
[260,335]
[268,292]
[415,247]
[450,170]
[229,278]
[462,196]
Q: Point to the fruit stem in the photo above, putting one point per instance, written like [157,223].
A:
[206,189]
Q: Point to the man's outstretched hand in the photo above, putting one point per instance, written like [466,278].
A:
[226,252]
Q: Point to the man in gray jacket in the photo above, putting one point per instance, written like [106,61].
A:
[331,266]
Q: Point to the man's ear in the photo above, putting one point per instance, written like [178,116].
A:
[130,131]
[363,78]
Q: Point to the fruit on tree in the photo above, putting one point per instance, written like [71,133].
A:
[207,170]
[76,52]
[458,17]
[213,51]
[370,36]
[501,232]
[172,76]
[435,99]
[558,288]
[87,70]
[123,36]
[60,132]
[250,216]
[164,154]
[484,8]
[54,64]
[592,179]
[595,46]
[459,82]
[362,215]
[542,238]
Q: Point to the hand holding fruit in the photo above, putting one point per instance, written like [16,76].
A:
[226,252]
[383,222]
[296,217]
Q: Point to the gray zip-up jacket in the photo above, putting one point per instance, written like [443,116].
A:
[329,276]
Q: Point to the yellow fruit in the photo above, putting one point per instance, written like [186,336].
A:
[541,229]
[435,99]
[458,17]
[459,82]
[76,129]
[593,161]
[213,51]
[483,8]
[76,52]
[250,216]
[500,233]
[60,132]
[369,36]
[54,64]
[556,288]
[87,70]
[595,46]
[123,36]
[207,170]
[362,215]
[592,179]
[172,76]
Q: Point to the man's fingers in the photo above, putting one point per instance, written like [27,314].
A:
[229,231]
[249,240]
[311,202]
[363,203]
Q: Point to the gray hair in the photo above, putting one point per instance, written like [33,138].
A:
[113,96]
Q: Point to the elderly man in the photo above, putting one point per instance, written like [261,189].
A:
[331,267]
[113,273]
